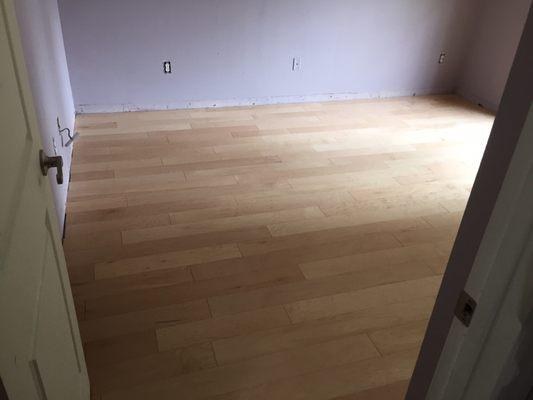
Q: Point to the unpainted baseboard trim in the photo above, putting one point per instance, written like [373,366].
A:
[194,104]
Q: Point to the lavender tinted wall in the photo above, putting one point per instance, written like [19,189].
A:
[497,33]
[44,53]
[240,51]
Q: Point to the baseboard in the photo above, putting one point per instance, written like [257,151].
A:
[111,108]
[488,104]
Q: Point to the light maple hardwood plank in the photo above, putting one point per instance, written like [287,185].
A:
[130,141]
[333,382]
[269,172]
[175,180]
[165,260]
[113,253]
[172,294]
[116,349]
[341,243]
[257,371]
[438,264]
[225,268]
[138,321]
[202,189]
[394,391]
[395,256]
[219,224]
[217,328]
[351,217]
[91,176]
[277,200]
[399,338]
[430,191]
[81,167]
[149,171]
[118,225]
[445,220]
[92,240]
[247,345]
[79,274]
[320,244]
[153,367]
[137,211]
[427,235]
[123,284]
[98,203]
[299,291]
[322,307]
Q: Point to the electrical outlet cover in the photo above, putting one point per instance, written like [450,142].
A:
[296,63]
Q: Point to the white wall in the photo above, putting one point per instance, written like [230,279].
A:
[44,52]
[497,32]
[230,52]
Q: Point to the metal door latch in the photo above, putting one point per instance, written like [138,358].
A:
[466,306]
[51,162]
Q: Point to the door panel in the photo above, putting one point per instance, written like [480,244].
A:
[41,356]
[54,351]
[15,150]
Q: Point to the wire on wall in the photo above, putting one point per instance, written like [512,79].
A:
[71,137]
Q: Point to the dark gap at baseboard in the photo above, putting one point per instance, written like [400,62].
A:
[3,393]
[65,218]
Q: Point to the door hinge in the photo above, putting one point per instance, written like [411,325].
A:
[465,308]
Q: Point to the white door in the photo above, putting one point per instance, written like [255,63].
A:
[479,361]
[41,356]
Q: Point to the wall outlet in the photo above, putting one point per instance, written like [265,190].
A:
[296,63]
[167,67]
[442,58]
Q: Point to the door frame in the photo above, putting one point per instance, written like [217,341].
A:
[478,361]
[507,129]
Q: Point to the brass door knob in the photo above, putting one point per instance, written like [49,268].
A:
[51,162]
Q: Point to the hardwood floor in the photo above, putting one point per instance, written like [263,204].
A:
[275,252]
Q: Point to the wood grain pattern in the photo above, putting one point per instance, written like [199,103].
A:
[398,338]
[257,370]
[252,344]
[165,261]
[274,252]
